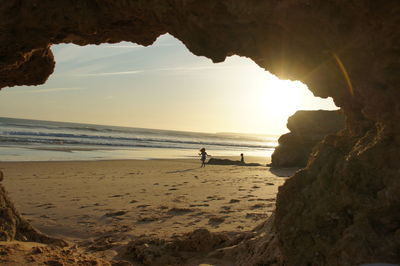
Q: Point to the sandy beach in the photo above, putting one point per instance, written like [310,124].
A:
[82,201]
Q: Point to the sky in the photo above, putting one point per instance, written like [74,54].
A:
[162,86]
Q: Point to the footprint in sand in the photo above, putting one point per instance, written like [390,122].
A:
[270,200]
[226,209]
[143,206]
[180,198]
[258,206]
[215,221]
[179,211]
[214,197]
[234,201]
[199,205]
[116,196]
[256,216]
[46,205]
[148,219]
[114,214]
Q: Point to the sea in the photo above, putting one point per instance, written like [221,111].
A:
[37,140]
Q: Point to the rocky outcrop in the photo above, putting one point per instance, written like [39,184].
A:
[307,128]
[217,161]
[343,208]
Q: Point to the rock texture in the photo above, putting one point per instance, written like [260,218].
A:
[343,208]
[307,128]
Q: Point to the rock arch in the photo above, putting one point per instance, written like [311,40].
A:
[343,208]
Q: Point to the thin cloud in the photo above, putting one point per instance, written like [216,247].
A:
[198,68]
[177,69]
[111,73]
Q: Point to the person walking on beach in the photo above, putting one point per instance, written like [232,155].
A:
[203,155]
[242,158]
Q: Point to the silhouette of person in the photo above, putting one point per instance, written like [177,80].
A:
[203,155]
[242,158]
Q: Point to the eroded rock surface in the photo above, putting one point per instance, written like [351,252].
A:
[343,209]
[307,128]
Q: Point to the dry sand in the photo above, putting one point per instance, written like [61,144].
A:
[83,201]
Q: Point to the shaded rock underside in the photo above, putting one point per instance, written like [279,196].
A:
[344,207]
[307,128]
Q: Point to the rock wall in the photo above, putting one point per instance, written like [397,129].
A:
[343,208]
[307,128]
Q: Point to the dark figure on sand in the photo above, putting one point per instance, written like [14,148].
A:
[203,155]
[241,158]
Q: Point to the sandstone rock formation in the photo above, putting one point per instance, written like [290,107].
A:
[307,128]
[343,209]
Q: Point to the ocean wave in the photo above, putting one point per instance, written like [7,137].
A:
[21,132]
[120,142]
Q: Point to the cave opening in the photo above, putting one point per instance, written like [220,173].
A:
[163,87]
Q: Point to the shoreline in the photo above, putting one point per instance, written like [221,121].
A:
[9,153]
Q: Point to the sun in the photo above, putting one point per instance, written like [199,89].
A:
[275,97]
[271,101]
[282,97]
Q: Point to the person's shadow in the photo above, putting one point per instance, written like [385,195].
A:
[182,171]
